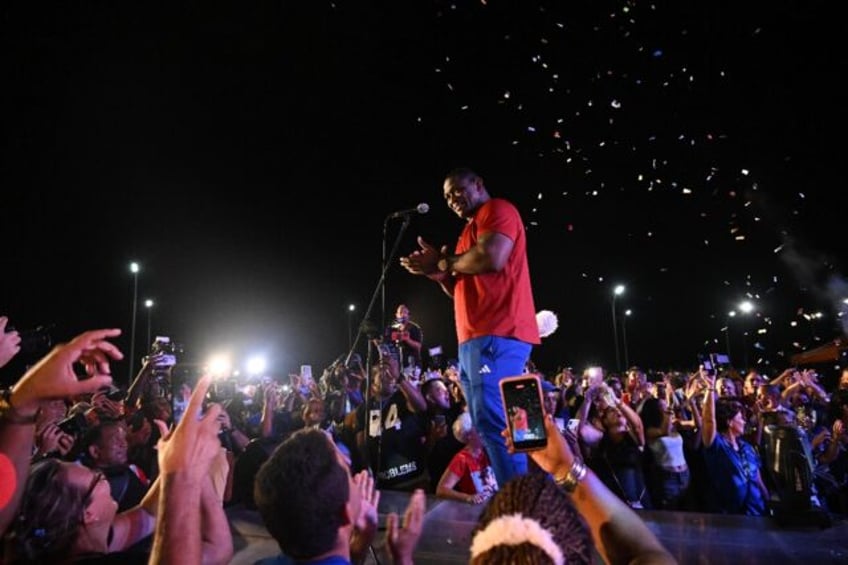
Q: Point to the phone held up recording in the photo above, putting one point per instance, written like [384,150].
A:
[524,411]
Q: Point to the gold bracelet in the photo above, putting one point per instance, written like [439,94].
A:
[576,474]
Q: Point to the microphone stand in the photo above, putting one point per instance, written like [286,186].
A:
[407,218]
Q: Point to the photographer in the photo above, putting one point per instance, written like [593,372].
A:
[152,381]
[49,437]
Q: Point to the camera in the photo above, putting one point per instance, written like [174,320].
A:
[223,390]
[167,349]
[35,341]
[75,426]
[714,362]
[163,355]
[115,394]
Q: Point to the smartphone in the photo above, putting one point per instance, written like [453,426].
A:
[385,351]
[306,375]
[524,411]
[573,425]
[595,374]
[183,379]
[719,360]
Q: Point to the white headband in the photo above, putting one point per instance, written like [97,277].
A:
[515,529]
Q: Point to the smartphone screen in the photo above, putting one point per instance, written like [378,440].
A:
[183,377]
[524,411]
[596,375]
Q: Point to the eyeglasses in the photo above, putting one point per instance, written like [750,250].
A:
[95,480]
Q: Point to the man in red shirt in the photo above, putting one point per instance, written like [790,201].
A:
[488,277]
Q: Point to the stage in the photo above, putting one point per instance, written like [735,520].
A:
[690,537]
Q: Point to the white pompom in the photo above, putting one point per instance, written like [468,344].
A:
[547,321]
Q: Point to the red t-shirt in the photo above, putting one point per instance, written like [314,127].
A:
[501,303]
[475,474]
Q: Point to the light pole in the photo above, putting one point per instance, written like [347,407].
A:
[134,269]
[730,314]
[350,310]
[619,289]
[746,307]
[627,314]
[149,305]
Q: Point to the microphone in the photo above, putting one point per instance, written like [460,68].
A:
[422,208]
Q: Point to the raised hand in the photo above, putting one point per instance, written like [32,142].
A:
[370,496]
[838,429]
[706,378]
[402,540]
[53,375]
[224,420]
[112,408]
[191,447]
[52,438]
[269,395]
[556,455]
[10,342]
[424,260]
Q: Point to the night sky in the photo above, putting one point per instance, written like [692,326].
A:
[247,154]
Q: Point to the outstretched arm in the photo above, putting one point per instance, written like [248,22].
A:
[402,539]
[185,459]
[365,527]
[50,378]
[708,421]
[620,535]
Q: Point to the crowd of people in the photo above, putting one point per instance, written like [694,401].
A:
[92,472]
[125,483]
[95,473]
